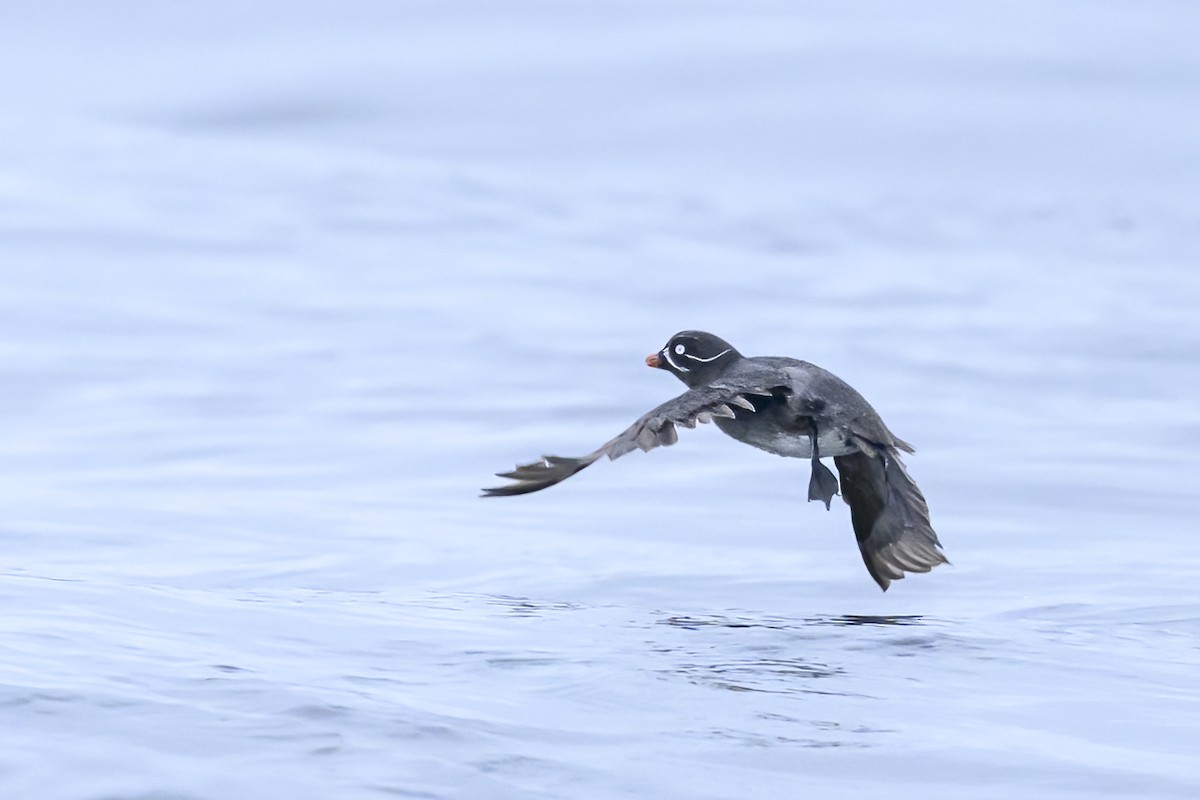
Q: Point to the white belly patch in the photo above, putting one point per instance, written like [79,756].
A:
[793,446]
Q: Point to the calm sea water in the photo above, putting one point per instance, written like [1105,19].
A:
[283,286]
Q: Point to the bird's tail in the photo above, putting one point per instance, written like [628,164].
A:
[889,514]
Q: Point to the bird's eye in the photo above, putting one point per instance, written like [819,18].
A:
[679,349]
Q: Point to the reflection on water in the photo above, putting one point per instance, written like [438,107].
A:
[778,675]
[825,736]
[693,623]
[873,619]
[526,607]
[782,624]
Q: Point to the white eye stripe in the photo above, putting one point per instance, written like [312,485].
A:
[706,360]
[667,352]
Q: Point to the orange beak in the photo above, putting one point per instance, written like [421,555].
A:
[653,360]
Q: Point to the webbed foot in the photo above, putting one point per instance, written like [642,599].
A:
[822,485]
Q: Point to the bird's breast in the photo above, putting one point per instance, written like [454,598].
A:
[765,434]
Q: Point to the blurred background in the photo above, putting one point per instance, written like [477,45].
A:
[283,284]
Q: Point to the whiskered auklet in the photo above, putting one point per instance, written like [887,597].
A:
[789,408]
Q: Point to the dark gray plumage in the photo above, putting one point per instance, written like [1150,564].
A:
[789,408]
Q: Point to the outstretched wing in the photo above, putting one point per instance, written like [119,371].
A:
[654,429]
[889,514]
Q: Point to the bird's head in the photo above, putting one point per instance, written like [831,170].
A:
[695,357]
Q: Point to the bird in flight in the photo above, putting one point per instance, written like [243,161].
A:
[790,408]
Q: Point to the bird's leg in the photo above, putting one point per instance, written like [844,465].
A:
[822,485]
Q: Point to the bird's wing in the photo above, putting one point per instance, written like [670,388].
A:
[888,511]
[655,428]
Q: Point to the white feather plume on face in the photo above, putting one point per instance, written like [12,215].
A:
[681,350]
[696,357]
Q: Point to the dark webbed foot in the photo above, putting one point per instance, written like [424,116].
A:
[822,485]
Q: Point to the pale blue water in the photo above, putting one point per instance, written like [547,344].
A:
[282,286]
